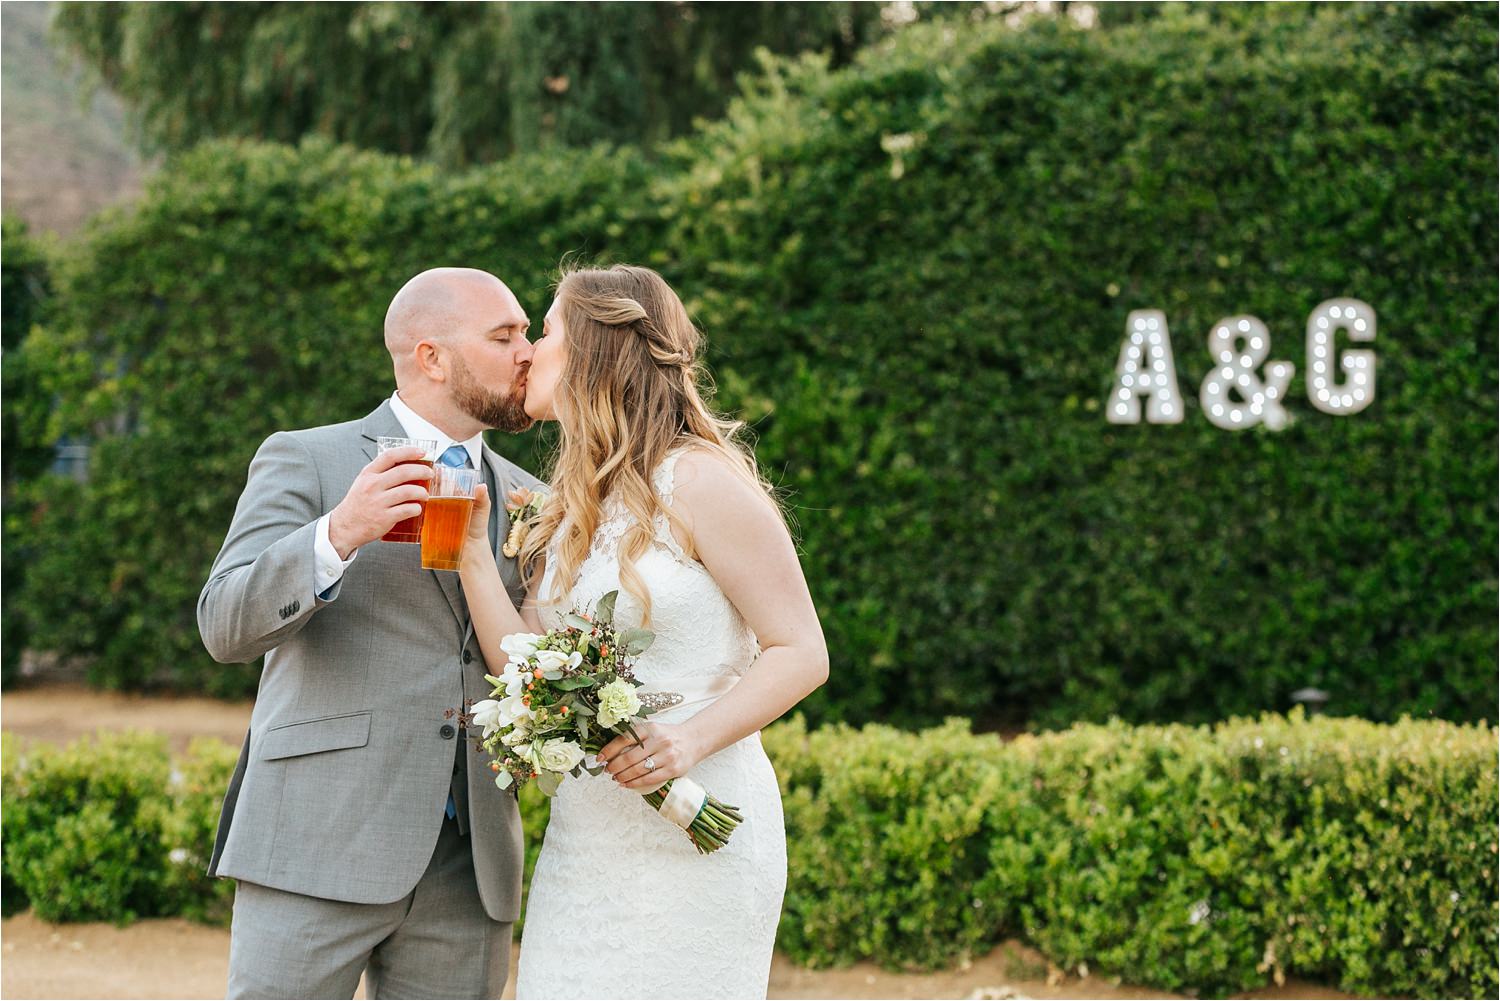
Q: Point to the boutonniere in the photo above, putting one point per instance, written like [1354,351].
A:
[522,507]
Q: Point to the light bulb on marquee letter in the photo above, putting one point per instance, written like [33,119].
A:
[1357,391]
[1145,369]
[1239,346]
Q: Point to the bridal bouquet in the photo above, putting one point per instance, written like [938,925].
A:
[567,693]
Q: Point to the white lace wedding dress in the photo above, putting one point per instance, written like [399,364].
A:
[621,904]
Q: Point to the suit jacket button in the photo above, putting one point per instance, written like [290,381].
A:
[446,731]
[468,656]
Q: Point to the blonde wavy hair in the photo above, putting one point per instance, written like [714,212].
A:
[629,393]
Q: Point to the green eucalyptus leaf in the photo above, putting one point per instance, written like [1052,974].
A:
[636,641]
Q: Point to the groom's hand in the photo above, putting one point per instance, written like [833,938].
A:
[391,488]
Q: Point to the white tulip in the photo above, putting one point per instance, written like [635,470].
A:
[552,663]
[520,646]
[487,715]
[511,710]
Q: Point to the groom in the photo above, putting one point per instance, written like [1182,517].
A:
[361,839]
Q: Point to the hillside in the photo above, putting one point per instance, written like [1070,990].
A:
[61,160]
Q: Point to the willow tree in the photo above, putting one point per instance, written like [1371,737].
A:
[459,83]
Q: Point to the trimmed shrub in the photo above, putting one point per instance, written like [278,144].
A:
[83,827]
[195,795]
[914,275]
[1189,859]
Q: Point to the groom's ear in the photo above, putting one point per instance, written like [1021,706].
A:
[430,361]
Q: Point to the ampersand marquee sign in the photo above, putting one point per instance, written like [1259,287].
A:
[1239,346]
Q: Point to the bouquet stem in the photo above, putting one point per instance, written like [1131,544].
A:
[710,830]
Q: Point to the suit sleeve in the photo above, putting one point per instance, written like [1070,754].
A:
[261,589]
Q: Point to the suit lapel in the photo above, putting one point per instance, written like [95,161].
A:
[499,485]
[382,423]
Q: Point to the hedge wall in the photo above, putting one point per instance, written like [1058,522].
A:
[914,275]
[1187,859]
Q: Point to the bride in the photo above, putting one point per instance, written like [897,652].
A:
[653,496]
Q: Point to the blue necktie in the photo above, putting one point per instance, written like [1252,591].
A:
[458,457]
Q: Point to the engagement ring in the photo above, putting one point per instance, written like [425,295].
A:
[650,763]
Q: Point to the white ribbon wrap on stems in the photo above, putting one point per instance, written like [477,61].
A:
[684,802]
[686,798]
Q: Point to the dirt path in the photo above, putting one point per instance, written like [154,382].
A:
[171,958]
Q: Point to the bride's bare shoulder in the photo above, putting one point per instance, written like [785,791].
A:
[708,483]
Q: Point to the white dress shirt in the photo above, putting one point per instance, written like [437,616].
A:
[329,567]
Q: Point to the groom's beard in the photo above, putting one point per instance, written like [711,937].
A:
[501,411]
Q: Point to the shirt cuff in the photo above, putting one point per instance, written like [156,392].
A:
[327,565]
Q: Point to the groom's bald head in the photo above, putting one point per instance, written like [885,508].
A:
[442,303]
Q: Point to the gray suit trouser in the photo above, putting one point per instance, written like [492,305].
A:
[436,942]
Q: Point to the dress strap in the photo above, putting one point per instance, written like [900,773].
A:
[664,479]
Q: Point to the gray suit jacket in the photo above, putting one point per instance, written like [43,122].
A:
[341,784]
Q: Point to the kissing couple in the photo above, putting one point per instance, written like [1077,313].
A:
[363,831]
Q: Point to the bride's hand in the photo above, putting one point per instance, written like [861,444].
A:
[671,747]
[478,539]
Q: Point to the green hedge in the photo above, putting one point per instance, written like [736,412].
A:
[923,337]
[1187,859]
[24,451]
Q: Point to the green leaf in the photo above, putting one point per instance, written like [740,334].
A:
[548,782]
[604,612]
[578,622]
[636,641]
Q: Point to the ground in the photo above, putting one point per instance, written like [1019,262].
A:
[171,958]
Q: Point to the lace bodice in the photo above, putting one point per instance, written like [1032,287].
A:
[699,633]
[608,857]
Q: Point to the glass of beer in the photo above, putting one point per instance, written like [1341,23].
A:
[409,530]
[445,524]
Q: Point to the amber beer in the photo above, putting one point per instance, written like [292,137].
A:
[409,530]
[445,524]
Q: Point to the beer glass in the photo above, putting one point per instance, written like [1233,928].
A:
[409,529]
[445,524]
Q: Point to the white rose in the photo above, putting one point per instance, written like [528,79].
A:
[487,715]
[520,646]
[617,701]
[560,755]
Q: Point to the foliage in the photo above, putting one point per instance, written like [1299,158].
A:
[83,828]
[25,289]
[1191,859]
[914,275]
[461,83]
[237,299]
[1187,859]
